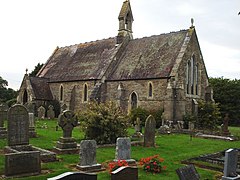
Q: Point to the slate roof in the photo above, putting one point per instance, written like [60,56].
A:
[79,62]
[150,57]
[41,88]
[144,58]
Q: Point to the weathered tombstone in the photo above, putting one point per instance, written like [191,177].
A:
[123,150]
[3,116]
[149,134]
[32,132]
[18,126]
[88,156]
[188,173]
[224,126]
[137,133]
[75,176]
[230,165]
[25,161]
[41,112]
[50,112]
[125,173]
[66,144]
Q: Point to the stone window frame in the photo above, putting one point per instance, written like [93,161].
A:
[130,101]
[61,93]
[85,93]
[150,90]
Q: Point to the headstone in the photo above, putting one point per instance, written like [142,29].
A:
[88,156]
[18,164]
[30,107]
[66,144]
[75,176]
[41,112]
[50,112]
[188,173]
[18,126]
[123,150]
[32,132]
[125,173]
[230,165]
[224,126]
[3,116]
[149,134]
[137,134]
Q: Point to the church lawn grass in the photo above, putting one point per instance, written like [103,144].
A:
[172,148]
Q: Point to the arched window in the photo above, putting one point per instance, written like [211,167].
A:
[133,100]
[196,81]
[192,74]
[85,93]
[150,90]
[188,77]
[25,97]
[61,93]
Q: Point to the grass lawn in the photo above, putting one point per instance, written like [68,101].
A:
[173,148]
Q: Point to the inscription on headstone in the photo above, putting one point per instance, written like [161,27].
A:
[149,134]
[18,125]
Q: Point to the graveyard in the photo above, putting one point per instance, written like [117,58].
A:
[173,148]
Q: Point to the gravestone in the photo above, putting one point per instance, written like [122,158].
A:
[41,112]
[224,126]
[75,176]
[188,173]
[32,132]
[3,116]
[18,126]
[88,156]
[66,144]
[125,173]
[50,112]
[230,165]
[137,134]
[123,150]
[23,160]
[30,107]
[149,134]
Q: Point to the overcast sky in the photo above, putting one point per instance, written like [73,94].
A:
[31,29]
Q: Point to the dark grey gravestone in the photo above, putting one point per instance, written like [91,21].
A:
[18,126]
[230,165]
[75,176]
[188,173]
[50,112]
[149,134]
[125,173]
[24,163]
[66,144]
[88,156]
[3,116]
[123,150]
[41,112]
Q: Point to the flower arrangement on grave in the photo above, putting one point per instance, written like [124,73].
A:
[152,164]
[115,165]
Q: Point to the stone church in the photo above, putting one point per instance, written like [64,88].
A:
[165,71]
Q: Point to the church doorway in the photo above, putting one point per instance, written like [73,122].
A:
[133,101]
[25,97]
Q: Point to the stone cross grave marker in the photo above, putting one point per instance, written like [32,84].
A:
[67,121]
[18,125]
[88,156]
[30,107]
[50,112]
[230,165]
[188,173]
[32,132]
[41,112]
[149,134]
[123,150]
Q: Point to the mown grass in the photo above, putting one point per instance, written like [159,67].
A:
[173,148]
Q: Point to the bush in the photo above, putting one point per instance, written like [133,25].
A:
[158,117]
[103,122]
[139,113]
[208,115]
[188,118]
[152,164]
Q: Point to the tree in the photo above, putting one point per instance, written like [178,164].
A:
[36,69]
[227,93]
[6,94]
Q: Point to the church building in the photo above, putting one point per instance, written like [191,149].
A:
[165,71]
